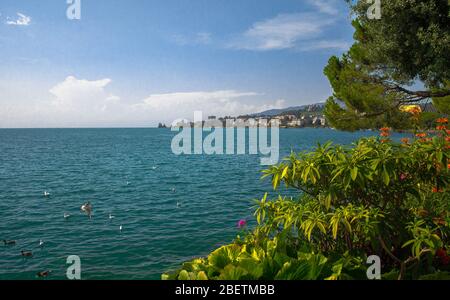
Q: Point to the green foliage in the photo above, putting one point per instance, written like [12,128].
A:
[410,42]
[443,103]
[374,198]
[411,39]
[265,259]
[436,276]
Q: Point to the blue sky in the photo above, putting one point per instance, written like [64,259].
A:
[136,63]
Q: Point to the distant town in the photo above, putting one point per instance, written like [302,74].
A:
[294,117]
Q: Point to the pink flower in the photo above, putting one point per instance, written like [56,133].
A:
[242,223]
[403,176]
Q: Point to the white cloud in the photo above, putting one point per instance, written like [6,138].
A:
[89,103]
[84,103]
[82,95]
[282,32]
[304,31]
[329,7]
[220,103]
[326,44]
[22,20]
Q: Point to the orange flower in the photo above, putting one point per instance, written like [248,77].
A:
[425,140]
[385,134]
[448,166]
[441,127]
[385,129]
[405,140]
[447,138]
[412,109]
[421,135]
[436,190]
[442,120]
[448,131]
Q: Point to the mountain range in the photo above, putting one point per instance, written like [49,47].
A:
[317,107]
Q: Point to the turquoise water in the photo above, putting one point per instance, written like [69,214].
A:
[130,173]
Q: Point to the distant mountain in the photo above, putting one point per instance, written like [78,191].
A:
[317,107]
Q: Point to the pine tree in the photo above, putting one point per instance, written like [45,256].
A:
[410,43]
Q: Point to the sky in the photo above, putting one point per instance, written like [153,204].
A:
[141,62]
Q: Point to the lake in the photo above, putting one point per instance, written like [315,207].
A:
[171,208]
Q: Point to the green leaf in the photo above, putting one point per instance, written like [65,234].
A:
[202,276]
[276,181]
[165,277]
[386,178]
[322,228]
[285,171]
[439,156]
[184,275]
[232,273]
[354,173]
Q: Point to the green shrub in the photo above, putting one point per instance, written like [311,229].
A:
[374,198]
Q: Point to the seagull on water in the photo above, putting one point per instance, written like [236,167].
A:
[174,190]
[111,216]
[46,194]
[41,243]
[66,216]
[120,227]
[87,208]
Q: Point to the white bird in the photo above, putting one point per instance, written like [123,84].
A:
[41,243]
[128,183]
[46,194]
[66,216]
[154,168]
[120,227]
[111,216]
[87,208]
[174,190]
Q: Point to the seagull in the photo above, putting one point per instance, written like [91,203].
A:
[174,190]
[41,243]
[9,243]
[128,183]
[87,208]
[46,194]
[154,167]
[120,227]
[43,274]
[26,253]
[111,216]
[66,216]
